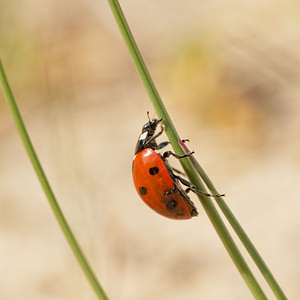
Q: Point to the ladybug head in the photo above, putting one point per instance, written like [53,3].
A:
[150,127]
[147,138]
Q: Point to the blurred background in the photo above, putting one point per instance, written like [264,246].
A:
[229,74]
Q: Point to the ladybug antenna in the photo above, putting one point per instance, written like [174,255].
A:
[148,115]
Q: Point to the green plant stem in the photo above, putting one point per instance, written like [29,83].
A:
[46,187]
[173,138]
[270,279]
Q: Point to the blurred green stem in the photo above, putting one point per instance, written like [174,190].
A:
[46,187]
[173,138]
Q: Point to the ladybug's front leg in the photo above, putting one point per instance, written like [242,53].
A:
[168,153]
[192,188]
[153,138]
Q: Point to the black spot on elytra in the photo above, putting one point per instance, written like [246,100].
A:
[153,170]
[143,190]
[171,204]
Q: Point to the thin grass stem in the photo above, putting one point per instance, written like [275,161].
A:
[240,232]
[47,188]
[173,138]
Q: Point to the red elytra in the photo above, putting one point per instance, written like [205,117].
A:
[157,189]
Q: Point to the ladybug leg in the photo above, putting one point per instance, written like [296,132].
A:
[154,137]
[192,188]
[168,153]
[177,171]
[162,145]
[187,190]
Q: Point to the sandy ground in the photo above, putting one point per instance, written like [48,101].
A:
[228,72]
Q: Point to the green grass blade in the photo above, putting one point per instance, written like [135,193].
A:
[46,187]
[261,265]
[173,138]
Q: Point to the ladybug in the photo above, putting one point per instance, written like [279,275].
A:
[155,180]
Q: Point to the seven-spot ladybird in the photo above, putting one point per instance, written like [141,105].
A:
[155,180]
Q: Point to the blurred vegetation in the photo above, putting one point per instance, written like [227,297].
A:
[235,63]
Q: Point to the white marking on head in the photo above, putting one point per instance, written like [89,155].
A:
[143,135]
